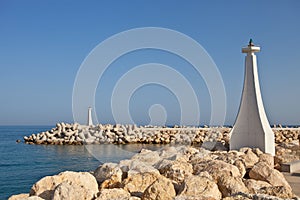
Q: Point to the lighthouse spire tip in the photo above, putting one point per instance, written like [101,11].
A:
[251,42]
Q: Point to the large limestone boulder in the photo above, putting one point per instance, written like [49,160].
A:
[131,167]
[187,151]
[216,168]
[136,184]
[175,170]
[45,187]
[114,194]
[250,158]
[106,170]
[161,189]
[200,187]
[230,185]
[262,171]
[109,175]
[254,186]
[180,153]
[214,146]
[168,153]
[69,190]
[171,153]
[240,164]
[267,158]
[228,157]
[201,155]
[147,156]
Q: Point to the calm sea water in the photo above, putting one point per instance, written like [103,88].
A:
[21,165]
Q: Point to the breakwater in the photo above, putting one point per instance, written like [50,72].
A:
[76,134]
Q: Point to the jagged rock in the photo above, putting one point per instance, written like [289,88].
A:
[70,190]
[147,156]
[263,172]
[136,184]
[200,156]
[175,170]
[240,164]
[257,151]
[255,185]
[45,187]
[228,157]
[131,167]
[161,189]
[214,146]
[268,159]
[108,171]
[229,185]
[249,158]
[216,168]
[113,194]
[201,187]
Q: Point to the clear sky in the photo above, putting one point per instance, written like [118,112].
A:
[43,43]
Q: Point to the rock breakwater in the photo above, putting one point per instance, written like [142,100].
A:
[77,134]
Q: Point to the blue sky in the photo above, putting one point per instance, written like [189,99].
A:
[43,43]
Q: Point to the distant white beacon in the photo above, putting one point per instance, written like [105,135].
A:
[90,120]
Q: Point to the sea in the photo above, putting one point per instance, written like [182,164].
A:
[21,165]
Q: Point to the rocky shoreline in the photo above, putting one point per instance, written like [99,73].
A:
[176,172]
[203,168]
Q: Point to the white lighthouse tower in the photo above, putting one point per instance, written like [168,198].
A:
[89,120]
[251,128]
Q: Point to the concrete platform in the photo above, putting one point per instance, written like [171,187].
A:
[291,167]
[294,181]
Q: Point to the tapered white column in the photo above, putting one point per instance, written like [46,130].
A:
[90,121]
[251,128]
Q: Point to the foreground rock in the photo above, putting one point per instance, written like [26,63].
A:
[161,189]
[263,172]
[180,173]
[80,185]
[201,187]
